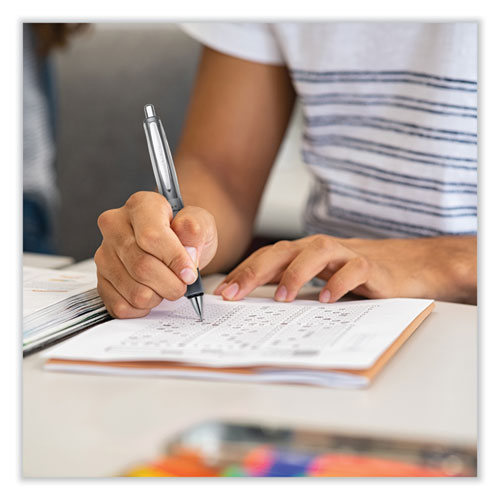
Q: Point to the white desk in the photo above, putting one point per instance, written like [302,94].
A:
[90,425]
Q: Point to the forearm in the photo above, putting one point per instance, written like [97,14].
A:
[201,187]
[229,144]
[443,268]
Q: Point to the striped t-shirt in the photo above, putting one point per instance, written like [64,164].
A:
[390,112]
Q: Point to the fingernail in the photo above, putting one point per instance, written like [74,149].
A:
[281,294]
[231,291]
[219,289]
[188,276]
[324,296]
[193,254]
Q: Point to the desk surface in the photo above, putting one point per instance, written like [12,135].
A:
[80,425]
[47,261]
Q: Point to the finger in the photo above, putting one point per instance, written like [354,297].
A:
[115,303]
[115,227]
[196,230]
[112,269]
[260,268]
[353,274]
[150,218]
[321,253]
[141,266]
[229,277]
[218,289]
[149,205]
[151,272]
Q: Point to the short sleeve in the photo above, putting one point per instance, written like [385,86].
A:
[253,41]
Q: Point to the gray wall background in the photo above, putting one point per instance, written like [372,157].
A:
[104,79]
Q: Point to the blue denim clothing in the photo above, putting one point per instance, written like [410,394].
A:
[38,231]
[39,202]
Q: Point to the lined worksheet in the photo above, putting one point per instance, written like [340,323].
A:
[251,332]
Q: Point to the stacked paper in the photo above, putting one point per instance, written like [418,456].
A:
[56,304]
[256,340]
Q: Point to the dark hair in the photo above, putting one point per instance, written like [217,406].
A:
[54,35]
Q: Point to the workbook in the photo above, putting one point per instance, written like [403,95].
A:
[56,304]
[335,345]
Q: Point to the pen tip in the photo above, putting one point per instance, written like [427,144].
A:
[197,303]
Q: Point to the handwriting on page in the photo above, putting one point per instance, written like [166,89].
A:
[247,328]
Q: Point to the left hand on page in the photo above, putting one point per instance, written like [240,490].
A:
[418,267]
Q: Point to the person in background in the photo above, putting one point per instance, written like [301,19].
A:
[40,195]
[390,137]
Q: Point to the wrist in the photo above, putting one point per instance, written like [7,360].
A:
[443,268]
[448,266]
[461,270]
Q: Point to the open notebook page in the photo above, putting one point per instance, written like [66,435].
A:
[345,335]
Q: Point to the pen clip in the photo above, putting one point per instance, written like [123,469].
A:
[161,159]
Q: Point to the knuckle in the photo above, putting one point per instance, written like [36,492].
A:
[142,297]
[120,309]
[148,238]
[282,246]
[142,267]
[105,220]
[263,249]
[149,200]
[135,199]
[322,243]
[363,264]
[191,227]
[98,257]
[125,245]
[153,199]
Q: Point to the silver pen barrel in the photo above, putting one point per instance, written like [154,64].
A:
[161,159]
[166,180]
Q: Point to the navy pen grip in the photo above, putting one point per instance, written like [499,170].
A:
[195,288]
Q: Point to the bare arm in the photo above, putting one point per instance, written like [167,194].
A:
[237,117]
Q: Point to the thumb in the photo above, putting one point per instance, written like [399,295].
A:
[195,228]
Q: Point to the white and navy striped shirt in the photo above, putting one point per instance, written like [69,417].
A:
[390,120]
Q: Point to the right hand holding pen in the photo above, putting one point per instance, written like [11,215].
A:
[145,256]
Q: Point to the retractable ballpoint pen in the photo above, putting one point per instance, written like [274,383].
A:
[166,180]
